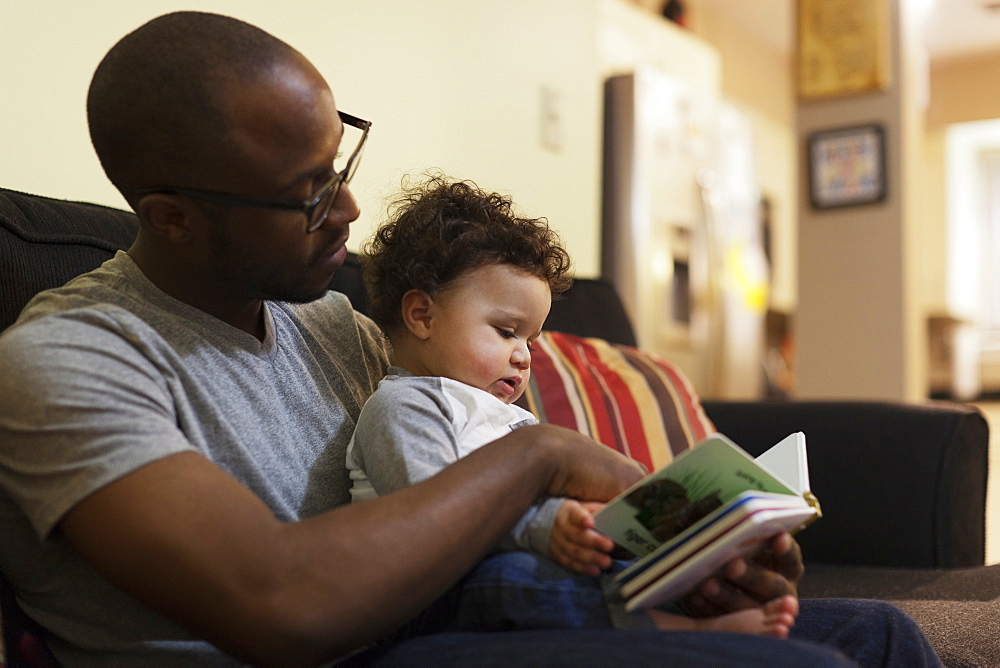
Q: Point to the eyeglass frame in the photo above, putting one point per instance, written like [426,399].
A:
[331,189]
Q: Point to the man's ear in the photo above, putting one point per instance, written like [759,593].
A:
[166,217]
[416,311]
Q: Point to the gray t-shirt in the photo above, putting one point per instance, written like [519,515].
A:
[414,426]
[107,374]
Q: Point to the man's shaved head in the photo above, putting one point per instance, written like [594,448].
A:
[156,105]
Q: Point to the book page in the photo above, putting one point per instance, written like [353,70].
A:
[787,460]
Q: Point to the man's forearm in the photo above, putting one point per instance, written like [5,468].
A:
[421,540]
[407,548]
[197,546]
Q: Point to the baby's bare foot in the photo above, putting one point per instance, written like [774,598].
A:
[774,618]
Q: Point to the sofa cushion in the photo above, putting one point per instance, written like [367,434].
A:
[638,403]
[44,242]
[958,608]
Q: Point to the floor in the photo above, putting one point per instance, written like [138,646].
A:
[991,410]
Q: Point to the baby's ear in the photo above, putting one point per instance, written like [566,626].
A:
[416,310]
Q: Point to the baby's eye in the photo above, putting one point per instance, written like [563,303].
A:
[505,333]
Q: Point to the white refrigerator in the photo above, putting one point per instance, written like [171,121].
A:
[682,237]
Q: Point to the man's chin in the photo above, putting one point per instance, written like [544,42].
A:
[298,294]
[302,297]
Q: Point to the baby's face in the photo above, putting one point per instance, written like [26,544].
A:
[483,327]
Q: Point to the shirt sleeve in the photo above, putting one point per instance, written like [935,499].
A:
[534,529]
[408,431]
[405,434]
[79,408]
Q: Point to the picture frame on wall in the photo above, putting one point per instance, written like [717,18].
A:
[847,166]
[843,47]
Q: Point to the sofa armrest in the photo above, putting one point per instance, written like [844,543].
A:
[900,484]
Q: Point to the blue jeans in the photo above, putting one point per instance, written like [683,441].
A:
[519,609]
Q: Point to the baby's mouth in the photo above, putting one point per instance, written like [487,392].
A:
[512,383]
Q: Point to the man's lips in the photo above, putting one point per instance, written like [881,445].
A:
[338,250]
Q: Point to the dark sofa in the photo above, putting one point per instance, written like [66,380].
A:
[903,486]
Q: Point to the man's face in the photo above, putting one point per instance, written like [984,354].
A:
[287,134]
[483,326]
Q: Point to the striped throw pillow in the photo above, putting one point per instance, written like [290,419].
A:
[630,400]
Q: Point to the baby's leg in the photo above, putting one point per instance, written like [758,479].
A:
[774,618]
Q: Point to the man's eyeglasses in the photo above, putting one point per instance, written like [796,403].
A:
[316,209]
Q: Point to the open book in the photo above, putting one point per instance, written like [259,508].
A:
[710,505]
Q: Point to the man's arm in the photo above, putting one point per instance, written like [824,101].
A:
[194,544]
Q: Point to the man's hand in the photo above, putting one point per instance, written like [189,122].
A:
[574,543]
[584,469]
[743,583]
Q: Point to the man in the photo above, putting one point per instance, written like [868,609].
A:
[173,425]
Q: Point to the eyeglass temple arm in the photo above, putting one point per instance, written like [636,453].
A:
[354,121]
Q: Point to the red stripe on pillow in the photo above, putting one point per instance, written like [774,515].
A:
[571,351]
[637,403]
[547,395]
[626,422]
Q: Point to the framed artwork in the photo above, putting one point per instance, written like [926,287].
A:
[842,47]
[847,166]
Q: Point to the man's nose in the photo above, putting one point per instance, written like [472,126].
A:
[345,209]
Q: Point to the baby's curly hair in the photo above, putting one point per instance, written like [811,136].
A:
[438,230]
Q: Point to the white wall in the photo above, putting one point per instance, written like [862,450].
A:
[448,84]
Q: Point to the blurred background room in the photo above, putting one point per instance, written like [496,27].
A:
[794,198]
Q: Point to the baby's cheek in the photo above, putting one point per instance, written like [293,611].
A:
[484,369]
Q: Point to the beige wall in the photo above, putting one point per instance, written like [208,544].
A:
[459,85]
[964,89]
[448,84]
[961,90]
[861,315]
[759,80]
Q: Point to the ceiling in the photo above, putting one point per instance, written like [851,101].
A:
[963,27]
[954,27]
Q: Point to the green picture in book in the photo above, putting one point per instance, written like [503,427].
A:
[665,509]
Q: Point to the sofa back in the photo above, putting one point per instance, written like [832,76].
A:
[590,308]
[44,242]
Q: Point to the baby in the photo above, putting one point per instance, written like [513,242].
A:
[461,285]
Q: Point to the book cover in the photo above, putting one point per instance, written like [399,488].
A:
[710,505]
